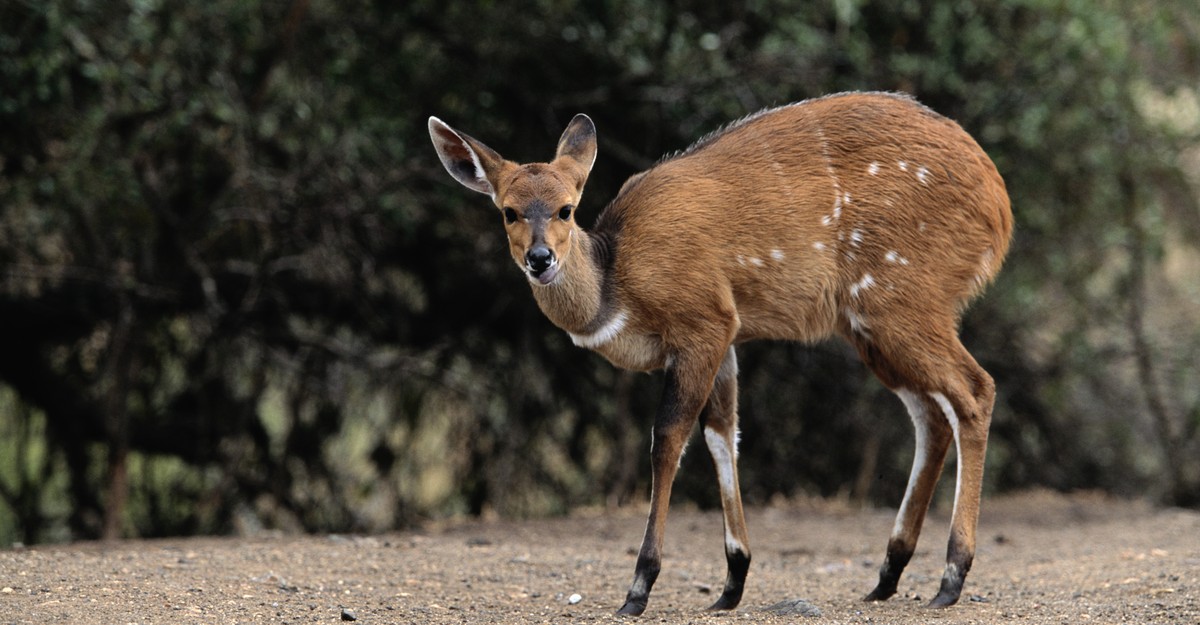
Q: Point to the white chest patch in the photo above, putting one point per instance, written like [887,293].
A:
[604,334]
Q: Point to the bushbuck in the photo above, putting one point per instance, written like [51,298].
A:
[865,215]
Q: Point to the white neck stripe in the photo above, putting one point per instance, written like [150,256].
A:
[606,333]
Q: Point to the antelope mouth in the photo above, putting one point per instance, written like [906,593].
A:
[545,276]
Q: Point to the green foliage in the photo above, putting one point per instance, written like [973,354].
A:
[239,289]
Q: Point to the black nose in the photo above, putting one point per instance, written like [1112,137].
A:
[539,258]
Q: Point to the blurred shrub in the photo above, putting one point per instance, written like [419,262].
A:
[240,292]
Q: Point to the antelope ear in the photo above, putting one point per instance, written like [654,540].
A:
[468,160]
[578,143]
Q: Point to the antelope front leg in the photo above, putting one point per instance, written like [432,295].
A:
[687,387]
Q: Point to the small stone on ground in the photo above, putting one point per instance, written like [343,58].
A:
[794,607]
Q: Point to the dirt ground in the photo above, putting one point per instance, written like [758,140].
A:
[1042,559]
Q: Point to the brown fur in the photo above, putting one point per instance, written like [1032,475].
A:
[863,215]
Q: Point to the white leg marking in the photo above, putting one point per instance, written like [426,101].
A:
[638,587]
[682,453]
[725,457]
[916,411]
[606,333]
[952,417]
[951,573]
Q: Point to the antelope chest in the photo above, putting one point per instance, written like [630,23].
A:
[623,346]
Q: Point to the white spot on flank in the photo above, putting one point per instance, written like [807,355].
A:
[895,258]
[873,169]
[606,333]
[857,323]
[819,246]
[865,283]
[856,237]
[923,175]
[837,210]
[777,255]
[757,262]
[833,179]
[846,198]
[903,165]
[921,226]
[741,259]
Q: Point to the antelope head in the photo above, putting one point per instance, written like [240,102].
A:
[536,200]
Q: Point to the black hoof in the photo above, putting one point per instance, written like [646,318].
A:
[951,588]
[632,607]
[727,601]
[881,593]
[943,600]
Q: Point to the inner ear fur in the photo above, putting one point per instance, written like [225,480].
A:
[577,148]
[468,160]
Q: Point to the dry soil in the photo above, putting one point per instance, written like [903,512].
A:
[1042,559]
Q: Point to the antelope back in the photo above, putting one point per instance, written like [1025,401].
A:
[826,215]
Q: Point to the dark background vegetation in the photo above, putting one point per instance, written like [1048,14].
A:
[238,291]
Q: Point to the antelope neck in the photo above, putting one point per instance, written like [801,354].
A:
[580,300]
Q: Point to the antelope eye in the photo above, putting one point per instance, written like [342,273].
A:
[565,213]
[510,215]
